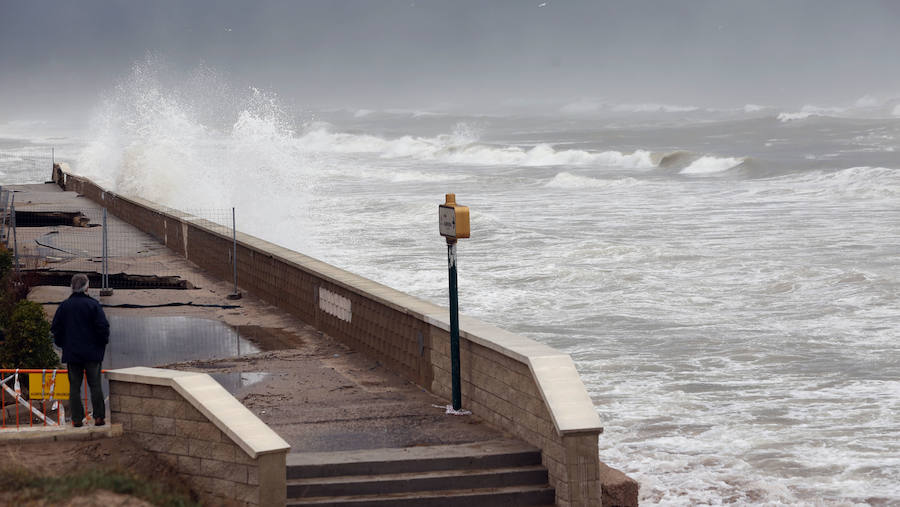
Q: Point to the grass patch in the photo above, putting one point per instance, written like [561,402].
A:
[30,486]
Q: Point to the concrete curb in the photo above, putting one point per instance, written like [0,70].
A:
[54,434]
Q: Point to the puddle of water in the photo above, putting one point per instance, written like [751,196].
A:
[154,341]
[234,381]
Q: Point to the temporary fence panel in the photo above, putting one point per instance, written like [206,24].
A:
[223,222]
[4,216]
[56,242]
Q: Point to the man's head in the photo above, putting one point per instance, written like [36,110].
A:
[79,283]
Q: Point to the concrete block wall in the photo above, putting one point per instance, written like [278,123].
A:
[503,391]
[514,383]
[187,420]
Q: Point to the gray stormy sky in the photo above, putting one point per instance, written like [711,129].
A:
[60,56]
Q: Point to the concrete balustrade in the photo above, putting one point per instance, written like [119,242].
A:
[516,384]
[188,420]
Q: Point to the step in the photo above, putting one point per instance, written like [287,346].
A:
[417,481]
[478,455]
[490,497]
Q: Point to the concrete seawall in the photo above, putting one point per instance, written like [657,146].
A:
[516,384]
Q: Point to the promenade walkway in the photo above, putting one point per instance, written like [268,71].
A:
[316,393]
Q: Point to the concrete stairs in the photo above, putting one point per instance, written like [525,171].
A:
[495,473]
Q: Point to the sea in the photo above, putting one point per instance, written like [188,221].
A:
[726,280]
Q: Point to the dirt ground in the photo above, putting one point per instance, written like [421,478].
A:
[54,459]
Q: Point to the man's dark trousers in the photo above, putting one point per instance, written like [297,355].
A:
[77,371]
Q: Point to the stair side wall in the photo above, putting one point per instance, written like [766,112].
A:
[219,470]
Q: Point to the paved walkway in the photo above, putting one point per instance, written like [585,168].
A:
[316,393]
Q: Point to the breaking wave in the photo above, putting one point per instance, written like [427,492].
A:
[199,144]
[709,165]
[462,147]
[587,106]
[810,111]
[685,162]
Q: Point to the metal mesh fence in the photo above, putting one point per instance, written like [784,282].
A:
[223,222]
[26,165]
[5,217]
[54,242]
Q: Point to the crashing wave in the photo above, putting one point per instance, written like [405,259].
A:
[809,111]
[711,165]
[686,162]
[461,147]
[786,117]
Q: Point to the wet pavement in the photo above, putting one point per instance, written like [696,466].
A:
[318,394]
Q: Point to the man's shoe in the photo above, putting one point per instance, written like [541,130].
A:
[99,421]
[77,424]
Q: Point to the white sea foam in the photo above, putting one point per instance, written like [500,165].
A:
[148,140]
[461,147]
[809,111]
[709,165]
[569,180]
[653,108]
[786,117]
[859,182]
[415,113]
[546,155]
[407,176]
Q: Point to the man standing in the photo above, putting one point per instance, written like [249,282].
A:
[81,330]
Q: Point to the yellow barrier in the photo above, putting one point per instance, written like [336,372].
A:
[45,386]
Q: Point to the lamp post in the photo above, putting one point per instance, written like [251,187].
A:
[453,221]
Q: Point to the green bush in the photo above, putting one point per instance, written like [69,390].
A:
[8,293]
[6,261]
[28,343]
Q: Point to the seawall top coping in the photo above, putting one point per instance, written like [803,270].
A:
[212,400]
[568,402]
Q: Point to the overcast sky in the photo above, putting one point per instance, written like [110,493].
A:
[63,55]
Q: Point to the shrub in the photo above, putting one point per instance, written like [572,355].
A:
[28,343]
[6,261]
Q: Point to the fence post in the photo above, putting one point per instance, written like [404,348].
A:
[105,290]
[12,208]
[3,198]
[235,294]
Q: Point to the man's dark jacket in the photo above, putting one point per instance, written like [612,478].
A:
[80,329]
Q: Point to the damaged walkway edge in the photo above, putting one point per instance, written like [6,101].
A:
[514,383]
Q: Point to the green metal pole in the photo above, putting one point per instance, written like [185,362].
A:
[454,325]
